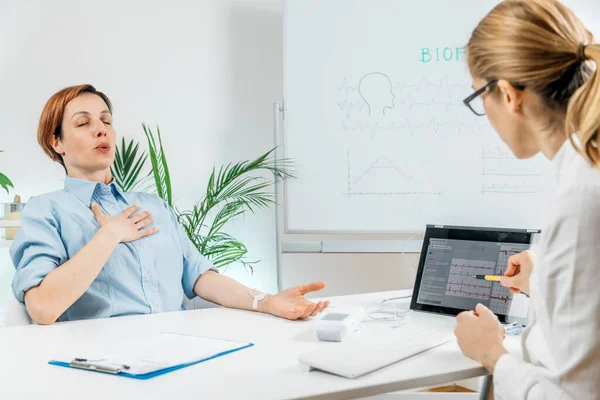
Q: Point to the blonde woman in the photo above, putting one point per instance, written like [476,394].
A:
[532,66]
[93,251]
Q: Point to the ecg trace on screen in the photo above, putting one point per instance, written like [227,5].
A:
[461,282]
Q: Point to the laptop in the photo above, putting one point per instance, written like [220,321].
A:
[444,285]
[452,257]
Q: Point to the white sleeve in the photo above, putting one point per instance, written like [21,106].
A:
[567,308]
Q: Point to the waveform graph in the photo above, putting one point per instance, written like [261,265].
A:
[496,153]
[500,299]
[384,176]
[349,107]
[376,93]
[432,86]
[503,174]
[505,255]
[461,282]
[487,172]
[507,187]
[424,85]
[409,127]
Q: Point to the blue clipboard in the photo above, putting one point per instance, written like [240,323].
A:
[126,371]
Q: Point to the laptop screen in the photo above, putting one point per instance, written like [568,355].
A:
[451,260]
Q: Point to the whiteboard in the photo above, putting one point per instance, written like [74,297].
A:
[375,123]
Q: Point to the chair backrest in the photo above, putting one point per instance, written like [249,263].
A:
[16,314]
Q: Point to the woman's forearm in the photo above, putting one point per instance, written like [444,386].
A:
[227,292]
[65,284]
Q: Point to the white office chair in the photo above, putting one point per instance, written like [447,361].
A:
[16,314]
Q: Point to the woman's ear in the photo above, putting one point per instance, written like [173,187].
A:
[511,96]
[57,145]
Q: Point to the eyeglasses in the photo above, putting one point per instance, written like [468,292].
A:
[475,101]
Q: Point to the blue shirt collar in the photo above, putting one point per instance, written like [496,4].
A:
[84,189]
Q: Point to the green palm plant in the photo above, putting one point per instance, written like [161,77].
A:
[231,191]
[160,169]
[4,181]
[127,167]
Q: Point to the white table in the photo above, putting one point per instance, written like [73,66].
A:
[268,370]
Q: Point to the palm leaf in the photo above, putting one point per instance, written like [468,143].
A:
[229,193]
[128,165]
[5,182]
[145,184]
[227,251]
[160,169]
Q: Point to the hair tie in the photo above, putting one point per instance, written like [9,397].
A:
[581,52]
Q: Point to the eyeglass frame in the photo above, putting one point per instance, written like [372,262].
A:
[467,101]
[482,90]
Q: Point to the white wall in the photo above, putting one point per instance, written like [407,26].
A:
[206,71]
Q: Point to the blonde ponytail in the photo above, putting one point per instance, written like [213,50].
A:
[583,112]
[536,44]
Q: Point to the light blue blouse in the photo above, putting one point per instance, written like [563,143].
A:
[148,275]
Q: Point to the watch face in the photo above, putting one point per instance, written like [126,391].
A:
[335,317]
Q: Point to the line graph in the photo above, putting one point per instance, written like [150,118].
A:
[508,188]
[385,163]
[461,282]
[504,172]
[384,177]
[496,154]
[411,127]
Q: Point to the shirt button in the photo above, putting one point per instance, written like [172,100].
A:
[149,274]
[142,245]
[112,206]
[155,304]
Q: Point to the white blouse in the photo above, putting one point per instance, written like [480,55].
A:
[561,346]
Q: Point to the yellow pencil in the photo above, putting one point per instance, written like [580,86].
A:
[487,277]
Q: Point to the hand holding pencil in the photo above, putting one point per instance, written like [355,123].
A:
[517,272]
[519,269]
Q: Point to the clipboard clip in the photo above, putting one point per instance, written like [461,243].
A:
[95,365]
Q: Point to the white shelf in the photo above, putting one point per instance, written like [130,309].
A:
[10,223]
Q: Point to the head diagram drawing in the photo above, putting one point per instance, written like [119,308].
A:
[376,90]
